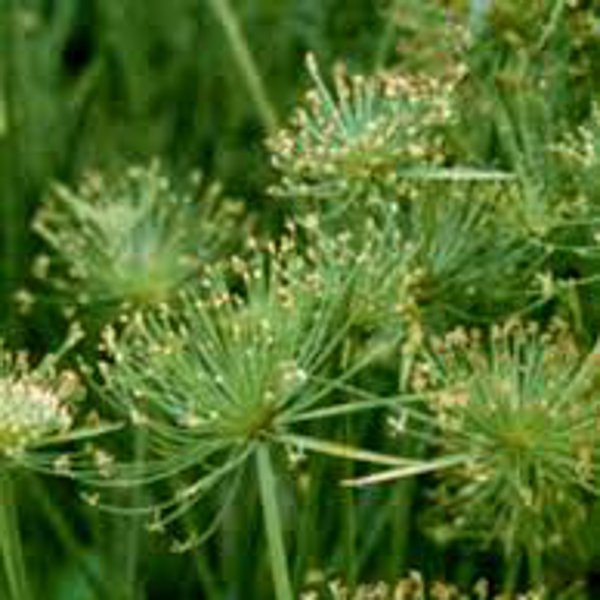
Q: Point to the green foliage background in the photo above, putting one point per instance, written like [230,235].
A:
[102,84]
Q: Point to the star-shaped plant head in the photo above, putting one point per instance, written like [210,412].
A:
[223,378]
[37,412]
[130,241]
[37,419]
[442,253]
[348,142]
[467,264]
[368,268]
[519,412]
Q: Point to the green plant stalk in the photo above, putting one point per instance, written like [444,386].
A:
[552,25]
[351,528]
[350,521]
[400,527]
[10,542]
[587,381]
[12,209]
[133,532]
[387,37]
[306,544]
[512,570]
[246,64]
[210,589]
[535,567]
[206,578]
[273,527]
[404,494]
[65,535]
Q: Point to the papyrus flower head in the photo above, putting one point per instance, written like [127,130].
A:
[217,375]
[521,411]
[132,240]
[29,411]
[38,410]
[364,131]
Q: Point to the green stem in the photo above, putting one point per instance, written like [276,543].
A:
[246,64]
[405,489]
[400,526]
[206,579]
[74,548]
[351,529]
[307,545]
[10,542]
[511,573]
[387,37]
[535,567]
[274,530]
[12,206]
[133,530]
[552,25]
[350,519]
[587,381]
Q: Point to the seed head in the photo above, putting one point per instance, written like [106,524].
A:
[343,142]
[29,412]
[129,241]
[511,405]
[215,375]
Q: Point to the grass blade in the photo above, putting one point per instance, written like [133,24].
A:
[268,495]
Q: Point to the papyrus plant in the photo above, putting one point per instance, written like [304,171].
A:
[225,377]
[38,416]
[371,157]
[514,442]
[517,413]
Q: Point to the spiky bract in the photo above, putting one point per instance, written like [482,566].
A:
[38,412]
[346,142]
[217,374]
[128,241]
[515,408]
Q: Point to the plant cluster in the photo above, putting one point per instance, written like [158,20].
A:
[413,587]
[422,315]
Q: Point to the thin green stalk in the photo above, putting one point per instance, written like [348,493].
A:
[350,525]
[246,64]
[378,523]
[10,542]
[210,589]
[65,535]
[133,529]
[206,578]
[387,37]
[273,527]
[535,567]
[12,209]
[307,548]
[400,526]
[511,573]
[587,380]
[552,25]
[350,519]
[574,304]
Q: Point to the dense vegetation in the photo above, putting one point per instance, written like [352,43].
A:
[299,299]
